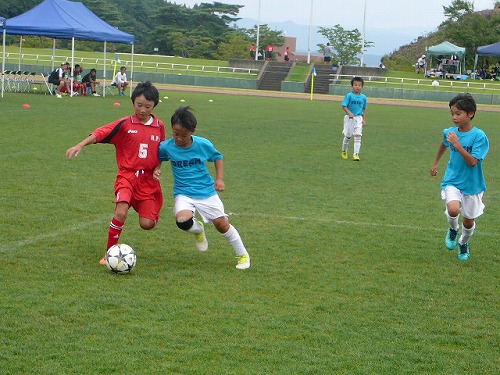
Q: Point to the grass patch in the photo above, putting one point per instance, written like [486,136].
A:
[349,269]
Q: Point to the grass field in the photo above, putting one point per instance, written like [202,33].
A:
[349,273]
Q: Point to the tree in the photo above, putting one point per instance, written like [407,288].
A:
[266,36]
[458,9]
[235,47]
[474,31]
[346,44]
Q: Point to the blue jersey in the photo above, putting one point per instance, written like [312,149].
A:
[355,103]
[467,179]
[189,166]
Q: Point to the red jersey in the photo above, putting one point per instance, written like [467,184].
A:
[136,144]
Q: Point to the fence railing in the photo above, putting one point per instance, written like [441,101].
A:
[139,65]
[422,83]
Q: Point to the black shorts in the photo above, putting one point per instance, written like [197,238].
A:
[54,81]
[328,59]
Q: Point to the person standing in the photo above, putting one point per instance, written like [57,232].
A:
[136,139]
[327,53]
[463,182]
[269,52]
[252,51]
[421,64]
[354,106]
[195,190]
[287,54]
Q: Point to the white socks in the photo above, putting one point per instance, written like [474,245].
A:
[452,221]
[233,237]
[357,145]
[345,144]
[466,234]
[196,228]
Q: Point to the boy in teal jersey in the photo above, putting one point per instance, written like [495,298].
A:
[194,188]
[354,105]
[463,183]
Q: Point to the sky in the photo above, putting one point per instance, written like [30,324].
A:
[389,24]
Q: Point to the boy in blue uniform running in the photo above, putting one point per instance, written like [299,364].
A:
[194,188]
[354,106]
[463,183]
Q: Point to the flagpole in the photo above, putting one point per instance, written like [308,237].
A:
[363,38]
[313,74]
[310,34]
[258,35]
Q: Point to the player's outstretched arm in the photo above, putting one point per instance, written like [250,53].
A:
[75,150]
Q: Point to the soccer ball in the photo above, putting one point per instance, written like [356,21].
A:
[121,258]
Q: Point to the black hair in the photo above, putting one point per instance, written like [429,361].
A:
[149,91]
[93,70]
[464,102]
[184,117]
[357,79]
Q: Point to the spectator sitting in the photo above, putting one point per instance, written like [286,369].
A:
[59,78]
[78,85]
[90,80]
[120,81]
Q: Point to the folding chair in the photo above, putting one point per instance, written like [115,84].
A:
[108,88]
[50,86]
[7,80]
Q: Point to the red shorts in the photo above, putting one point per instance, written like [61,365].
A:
[141,191]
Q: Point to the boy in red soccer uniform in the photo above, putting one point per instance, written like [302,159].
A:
[136,139]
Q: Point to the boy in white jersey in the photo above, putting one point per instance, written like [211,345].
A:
[194,188]
[354,105]
[463,183]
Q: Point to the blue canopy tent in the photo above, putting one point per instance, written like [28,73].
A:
[489,50]
[2,25]
[63,19]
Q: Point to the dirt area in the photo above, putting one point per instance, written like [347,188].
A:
[321,97]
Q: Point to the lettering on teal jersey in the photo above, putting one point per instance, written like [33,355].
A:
[185,163]
[467,148]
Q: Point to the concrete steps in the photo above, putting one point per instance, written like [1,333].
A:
[272,74]
[322,80]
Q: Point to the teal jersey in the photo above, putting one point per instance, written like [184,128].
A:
[467,179]
[355,103]
[189,166]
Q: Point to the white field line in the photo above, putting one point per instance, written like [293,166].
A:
[18,244]
[31,240]
[346,222]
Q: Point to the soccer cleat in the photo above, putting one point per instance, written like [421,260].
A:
[58,96]
[344,155]
[243,262]
[102,262]
[355,157]
[463,252]
[201,239]
[95,94]
[451,239]
[73,94]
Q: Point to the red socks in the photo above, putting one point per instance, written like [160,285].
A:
[115,229]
